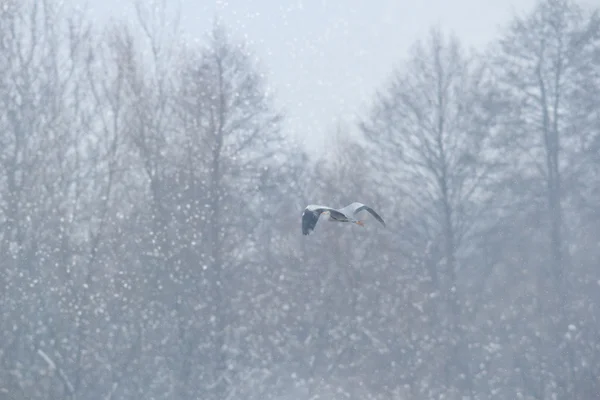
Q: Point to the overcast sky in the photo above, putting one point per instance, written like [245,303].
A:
[326,58]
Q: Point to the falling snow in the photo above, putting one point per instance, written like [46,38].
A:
[152,188]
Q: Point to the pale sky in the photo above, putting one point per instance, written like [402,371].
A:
[326,58]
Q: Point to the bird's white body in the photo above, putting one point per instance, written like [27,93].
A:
[312,212]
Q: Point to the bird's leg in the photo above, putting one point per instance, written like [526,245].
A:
[359,222]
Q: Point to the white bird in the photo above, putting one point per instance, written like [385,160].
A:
[312,212]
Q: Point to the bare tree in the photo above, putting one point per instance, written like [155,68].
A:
[164,208]
[545,60]
[209,141]
[42,50]
[233,135]
[544,63]
[430,130]
[101,308]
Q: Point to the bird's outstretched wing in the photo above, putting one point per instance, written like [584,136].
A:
[355,208]
[311,215]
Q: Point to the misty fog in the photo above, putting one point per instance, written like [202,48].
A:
[151,198]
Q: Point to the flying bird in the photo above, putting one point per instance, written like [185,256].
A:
[312,212]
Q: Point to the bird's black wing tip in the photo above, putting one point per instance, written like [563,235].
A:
[309,221]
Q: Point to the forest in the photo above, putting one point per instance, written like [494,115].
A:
[150,203]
